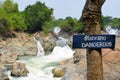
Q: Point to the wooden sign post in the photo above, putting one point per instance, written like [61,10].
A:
[91,19]
[94,43]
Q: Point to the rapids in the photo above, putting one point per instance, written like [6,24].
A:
[41,51]
[40,67]
[112,31]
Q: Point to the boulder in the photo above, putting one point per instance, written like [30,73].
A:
[76,66]
[25,45]
[7,79]
[117,45]
[59,72]
[19,69]
[48,47]
[8,58]
[79,55]
[3,72]
[111,63]
[47,42]
[11,58]
[2,58]
[22,44]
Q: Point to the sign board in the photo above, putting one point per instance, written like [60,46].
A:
[94,41]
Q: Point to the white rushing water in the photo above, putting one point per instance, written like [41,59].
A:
[111,30]
[57,30]
[41,51]
[40,68]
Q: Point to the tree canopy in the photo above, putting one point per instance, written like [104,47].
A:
[36,15]
[10,18]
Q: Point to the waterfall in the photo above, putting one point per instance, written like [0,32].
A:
[111,30]
[41,51]
[62,42]
[63,52]
[57,30]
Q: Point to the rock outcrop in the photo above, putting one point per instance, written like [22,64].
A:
[19,70]
[76,67]
[111,62]
[22,44]
[3,72]
[48,42]
[117,46]
[59,72]
[8,59]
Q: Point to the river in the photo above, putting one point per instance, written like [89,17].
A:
[40,67]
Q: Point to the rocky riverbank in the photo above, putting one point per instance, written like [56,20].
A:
[21,44]
[75,68]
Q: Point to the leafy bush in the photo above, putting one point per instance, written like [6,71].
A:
[49,26]
[10,18]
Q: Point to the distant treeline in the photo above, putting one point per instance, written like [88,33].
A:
[39,17]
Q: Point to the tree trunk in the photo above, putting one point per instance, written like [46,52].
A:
[91,18]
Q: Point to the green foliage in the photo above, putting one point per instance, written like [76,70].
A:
[108,20]
[4,25]
[115,22]
[70,24]
[36,15]
[2,13]
[17,22]
[78,27]
[10,18]
[49,26]
[10,7]
[103,22]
